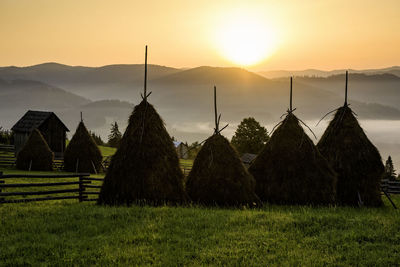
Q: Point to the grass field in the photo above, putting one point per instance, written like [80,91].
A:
[66,233]
[107,151]
[71,233]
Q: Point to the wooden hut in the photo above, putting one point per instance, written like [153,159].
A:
[50,126]
[247,159]
[181,149]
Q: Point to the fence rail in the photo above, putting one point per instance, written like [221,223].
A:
[390,187]
[84,187]
[7,157]
[78,191]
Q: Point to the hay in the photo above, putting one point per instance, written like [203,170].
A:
[35,154]
[218,177]
[145,168]
[82,152]
[290,169]
[355,159]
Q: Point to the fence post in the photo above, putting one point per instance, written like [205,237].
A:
[1,181]
[81,188]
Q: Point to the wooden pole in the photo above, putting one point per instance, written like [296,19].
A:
[81,188]
[77,165]
[1,181]
[345,94]
[145,75]
[215,109]
[291,93]
[94,168]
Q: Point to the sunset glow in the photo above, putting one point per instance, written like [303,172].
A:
[245,39]
[258,35]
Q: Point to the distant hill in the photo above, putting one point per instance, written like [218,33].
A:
[370,88]
[184,96]
[92,82]
[98,115]
[213,75]
[18,96]
[395,70]
[35,94]
[59,74]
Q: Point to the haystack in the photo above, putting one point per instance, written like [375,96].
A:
[35,154]
[355,159]
[145,168]
[82,153]
[218,176]
[290,169]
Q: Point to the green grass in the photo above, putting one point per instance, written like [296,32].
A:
[70,233]
[66,233]
[107,151]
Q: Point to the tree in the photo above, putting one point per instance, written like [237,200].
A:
[250,136]
[390,172]
[97,139]
[6,136]
[115,136]
[193,149]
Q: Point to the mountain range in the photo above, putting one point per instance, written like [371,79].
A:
[395,70]
[184,97]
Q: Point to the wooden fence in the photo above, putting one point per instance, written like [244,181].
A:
[7,156]
[77,189]
[84,190]
[390,187]
[186,168]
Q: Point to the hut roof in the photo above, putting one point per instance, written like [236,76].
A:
[34,119]
[177,143]
[248,158]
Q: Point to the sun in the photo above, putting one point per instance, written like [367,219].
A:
[245,39]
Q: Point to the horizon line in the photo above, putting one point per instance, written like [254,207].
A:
[186,68]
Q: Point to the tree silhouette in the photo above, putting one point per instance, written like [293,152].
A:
[250,136]
[115,136]
[97,138]
[390,172]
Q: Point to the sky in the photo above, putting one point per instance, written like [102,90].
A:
[257,35]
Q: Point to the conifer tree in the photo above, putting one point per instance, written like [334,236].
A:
[390,172]
[115,136]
